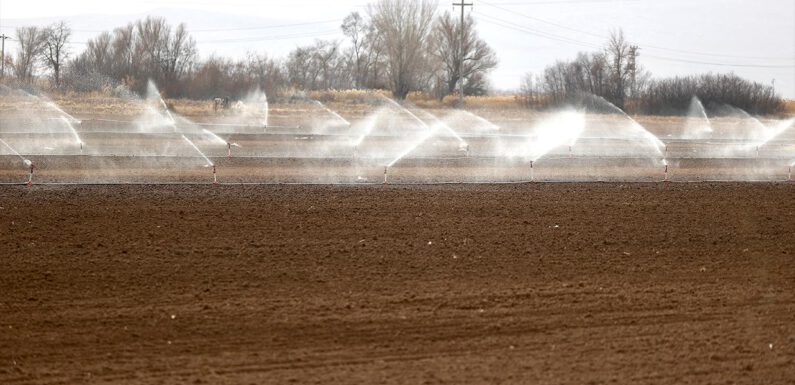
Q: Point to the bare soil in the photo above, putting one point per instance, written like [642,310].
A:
[544,283]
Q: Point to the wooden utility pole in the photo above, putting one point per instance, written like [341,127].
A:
[463,5]
[3,59]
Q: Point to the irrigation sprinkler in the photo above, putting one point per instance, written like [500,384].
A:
[532,172]
[665,179]
[757,151]
[467,150]
[215,176]
[789,174]
[385,174]
[228,150]
[30,177]
[666,150]
[355,152]
[571,154]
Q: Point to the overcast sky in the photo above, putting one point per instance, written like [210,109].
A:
[755,39]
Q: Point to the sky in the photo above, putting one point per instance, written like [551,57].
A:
[754,39]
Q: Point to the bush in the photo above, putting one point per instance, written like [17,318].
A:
[672,96]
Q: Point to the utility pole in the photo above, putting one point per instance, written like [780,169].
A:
[463,5]
[3,59]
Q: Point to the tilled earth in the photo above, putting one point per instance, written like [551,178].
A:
[543,283]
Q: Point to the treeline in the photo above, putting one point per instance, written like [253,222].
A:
[672,96]
[615,75]
[400,45]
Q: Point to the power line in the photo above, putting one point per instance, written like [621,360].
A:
[720,64]
[647,46]
[519,28]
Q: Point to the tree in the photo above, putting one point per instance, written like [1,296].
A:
[470,63]
[54,51]
[621,63]
[405,26]
[30,41]
[355,28]
[319,66]
[147,49]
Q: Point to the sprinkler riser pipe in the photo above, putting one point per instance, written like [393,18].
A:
[532,172]
[30,177]
[385,175]
[215,176]
[666,174]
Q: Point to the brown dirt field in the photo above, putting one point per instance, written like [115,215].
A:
[546,283]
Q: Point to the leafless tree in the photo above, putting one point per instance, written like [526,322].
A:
[147,49]
[405,26]
[30,41]
[472,62]
[621,63]
[54,48]
[355,28]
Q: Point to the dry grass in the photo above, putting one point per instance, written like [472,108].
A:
[349,103]
[789,107]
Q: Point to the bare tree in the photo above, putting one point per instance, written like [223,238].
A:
[620,61]
[54,48]
[405,26]
[30,40]
[180,53]
[355,28]
[471,60]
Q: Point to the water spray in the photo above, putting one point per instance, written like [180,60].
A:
[72,129]
[385,174]
[206,159]
[13,151]
[333,113]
